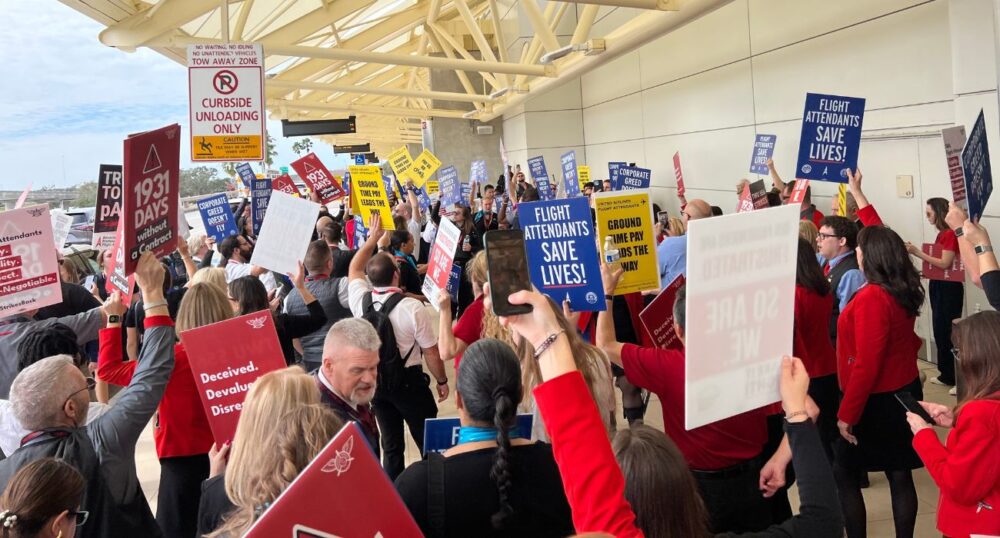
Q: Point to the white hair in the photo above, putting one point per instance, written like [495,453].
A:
[195,241]
[40,390]
[351,332]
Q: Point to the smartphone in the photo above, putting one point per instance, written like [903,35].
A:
[912,405]
[663,217]
[88,282]
[507,270]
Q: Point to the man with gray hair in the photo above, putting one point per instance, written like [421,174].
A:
[348,375]
[50,399]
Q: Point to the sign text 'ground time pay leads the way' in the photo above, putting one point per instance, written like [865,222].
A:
[226,86]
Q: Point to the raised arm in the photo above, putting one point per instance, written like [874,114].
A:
[448,346]
[776,181]
[365,251]
[866,211]
[955,218]
[110,366]
[606,338]
[189,267]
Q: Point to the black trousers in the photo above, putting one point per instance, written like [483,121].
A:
[733,498]
[412,403]
[179,494]
[946,306]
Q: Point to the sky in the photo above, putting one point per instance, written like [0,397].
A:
[67,101]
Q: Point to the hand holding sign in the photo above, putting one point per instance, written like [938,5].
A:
[611,276]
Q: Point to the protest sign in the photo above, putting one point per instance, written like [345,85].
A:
[678,174]
[423,200]
[745,203]
[285,234]
[440,434]
[367,504]
[562,252]
[954,141]
[23,197]
[798,192]
[658,316]
[61,223]
[978,173]
[224,374]
[117,279]
[539,174]
[440,261]
[423,168]
[368,190]
[152,184]
[284,183]
[583,174]
[613,168]
[183,228]
[454,281]
[226,85]
[245,175]
[451,186]
[831,137]
[758,194]
[634,178]
[260,195]
[627,217]
[478,173]
[740,291]
[29,270]
[318,178]
[400,162]
[763,149]
[109,205]
[465,195]
[217,216]
[955,273]
[569,172]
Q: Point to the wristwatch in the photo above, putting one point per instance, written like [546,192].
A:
[983,249]
[442,383]
[114,318]
[959,232]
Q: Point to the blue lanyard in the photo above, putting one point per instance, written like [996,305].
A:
[473,434]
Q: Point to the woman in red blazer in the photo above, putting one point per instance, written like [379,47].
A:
[180,428]
[876,358]
[967,469]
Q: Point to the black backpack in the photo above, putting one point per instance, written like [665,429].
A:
[391,365]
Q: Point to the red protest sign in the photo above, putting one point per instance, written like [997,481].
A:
[798,191]
[955,273]
[29,271]
[746,202]
[346,470]
[150,208]
[117,279]
[658,316]
[678,174]
[319,179]
[284,183]
[224,373]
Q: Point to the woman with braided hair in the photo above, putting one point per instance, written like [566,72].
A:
[43,501]
[493,483]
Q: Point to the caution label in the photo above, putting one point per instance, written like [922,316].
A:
[226,87]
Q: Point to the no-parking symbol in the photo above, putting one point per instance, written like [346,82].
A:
[225,82]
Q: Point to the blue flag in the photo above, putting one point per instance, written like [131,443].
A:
[260,196]
[562,252]
[831,137]
[633,177]
[450,186]
[613,168]
[217,216]
[976,165]
[763,149]
[569,173]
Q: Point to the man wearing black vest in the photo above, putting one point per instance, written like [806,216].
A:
[332,296]
[837,239]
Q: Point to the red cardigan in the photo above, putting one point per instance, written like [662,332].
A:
[180,427]
[967,470]
[869,217]
[595,487]
[876,349]
[811,341]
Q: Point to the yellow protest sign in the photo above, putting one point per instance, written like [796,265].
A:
[400,161]
[423,168]
[583,175]
[627,217]
[842,200]
[369,191]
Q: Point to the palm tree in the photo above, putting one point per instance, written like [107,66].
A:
[302,146]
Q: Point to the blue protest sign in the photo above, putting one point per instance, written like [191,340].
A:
[360,232]
[978,174]
[562,253]
[466,192]
[569,174]
[450,186]
[763,149]
[454,281]
[260,196]
[545,189]
[359,159]
[613,168]
[831,137]
[246,174]
[423,200]
[217,216]
[536,167]
[478,173]
[440,434]
[633,177]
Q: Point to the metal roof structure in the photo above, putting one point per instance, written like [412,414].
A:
[372,58]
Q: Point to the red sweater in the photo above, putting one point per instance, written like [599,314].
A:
[869,217]
[876,349]
[180,428]
[967,470]
[811,341]
[595,487]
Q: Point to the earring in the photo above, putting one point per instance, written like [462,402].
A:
[60,534]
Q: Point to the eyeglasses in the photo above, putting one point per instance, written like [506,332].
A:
[91,383]
[80,515]
[821,236]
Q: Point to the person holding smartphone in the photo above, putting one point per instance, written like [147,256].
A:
[967,468]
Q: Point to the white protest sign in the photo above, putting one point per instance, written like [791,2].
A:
[226,84]
[740,298]
[441,259]
[285,234]
[61,223]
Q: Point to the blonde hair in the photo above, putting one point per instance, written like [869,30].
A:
[675,227]
[808,231]
[253,472]
[203,304]
[493,329]
[210,275]
[475,270]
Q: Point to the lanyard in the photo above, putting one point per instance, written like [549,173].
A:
[472,434]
